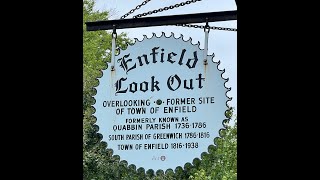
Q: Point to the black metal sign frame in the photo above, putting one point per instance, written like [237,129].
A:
[162,20]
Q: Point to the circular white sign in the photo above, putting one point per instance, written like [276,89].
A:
[162,106]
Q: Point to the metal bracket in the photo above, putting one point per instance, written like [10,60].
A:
[113,50]
[206,37]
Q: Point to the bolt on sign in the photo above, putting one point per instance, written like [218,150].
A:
[162,106]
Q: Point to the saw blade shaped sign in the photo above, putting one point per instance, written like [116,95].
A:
[162,106]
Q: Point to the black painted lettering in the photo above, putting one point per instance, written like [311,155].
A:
[118,86]
[190,84]
[181,57]
[154,54]
[124,65]
[154,84]
[170,57]
[162,54]
[200,79]
[195,60]
[125,146]
[145,88]
[171,80]
[137,110]
[133,87]
[145,59]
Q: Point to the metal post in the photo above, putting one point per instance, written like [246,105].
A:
[113,50]
[206,37]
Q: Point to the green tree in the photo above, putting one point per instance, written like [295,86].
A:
[97,161]
[221,161]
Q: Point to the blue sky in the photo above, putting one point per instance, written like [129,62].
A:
[222,43]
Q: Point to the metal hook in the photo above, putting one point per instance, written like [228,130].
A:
[207,27]
[114,33]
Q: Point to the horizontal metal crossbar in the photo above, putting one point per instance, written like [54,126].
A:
[162,20]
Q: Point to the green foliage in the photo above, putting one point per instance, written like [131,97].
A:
[96,51]
[97,161]
[200,175]
[221,162]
